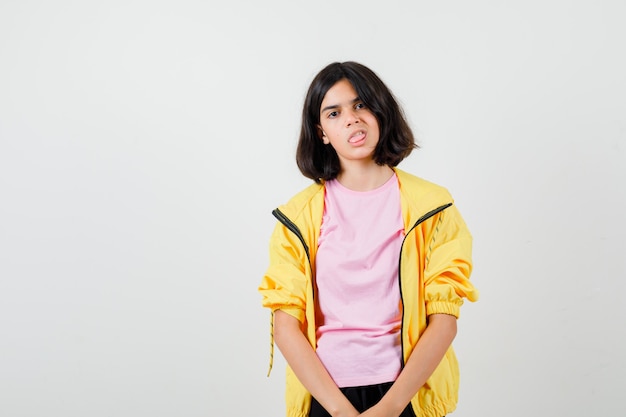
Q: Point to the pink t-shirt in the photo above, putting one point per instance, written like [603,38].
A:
[358,298]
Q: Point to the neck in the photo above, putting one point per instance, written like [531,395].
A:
[360,177]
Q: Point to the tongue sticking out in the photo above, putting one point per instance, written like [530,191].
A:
[357,138]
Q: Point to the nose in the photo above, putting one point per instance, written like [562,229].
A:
[351,117]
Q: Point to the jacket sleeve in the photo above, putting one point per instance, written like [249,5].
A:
[284,284]
[448,265]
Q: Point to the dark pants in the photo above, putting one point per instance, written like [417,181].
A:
[361,398]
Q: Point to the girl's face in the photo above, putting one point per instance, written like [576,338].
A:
[347,124]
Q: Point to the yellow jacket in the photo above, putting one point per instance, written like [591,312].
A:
[435,265]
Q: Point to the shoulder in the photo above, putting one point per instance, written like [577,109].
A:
[417,188]
[313,195]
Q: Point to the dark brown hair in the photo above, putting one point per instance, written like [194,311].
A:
[319,161]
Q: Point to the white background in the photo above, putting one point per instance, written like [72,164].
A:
[143,145]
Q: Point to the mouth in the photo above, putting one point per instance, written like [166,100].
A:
[357,136]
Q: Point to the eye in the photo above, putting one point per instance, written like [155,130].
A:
[332,114]
[360,106]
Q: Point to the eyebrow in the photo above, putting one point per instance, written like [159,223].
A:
[335,106]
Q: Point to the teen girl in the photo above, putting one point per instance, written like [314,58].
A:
[368,266]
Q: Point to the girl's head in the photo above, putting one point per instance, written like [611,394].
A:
[320,161]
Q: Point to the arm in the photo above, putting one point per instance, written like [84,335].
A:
[446,284]
[308,368]
[422,362]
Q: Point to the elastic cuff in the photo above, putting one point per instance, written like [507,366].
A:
[295,312]
[443,307]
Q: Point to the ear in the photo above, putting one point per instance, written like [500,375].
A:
[322,135]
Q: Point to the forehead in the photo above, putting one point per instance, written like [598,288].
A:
[340,93]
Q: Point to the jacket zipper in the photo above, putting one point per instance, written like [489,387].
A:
[291,226]
[417,223]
